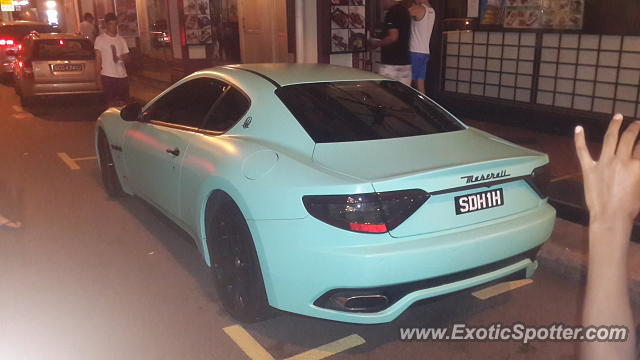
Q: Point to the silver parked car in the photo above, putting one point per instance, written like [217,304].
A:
[55,64]
[11,35]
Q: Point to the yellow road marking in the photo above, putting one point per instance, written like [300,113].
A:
[247,343]
[501,288]
[571,176]
[85,158]
[69,161]
[330,349]
[21,115]
[255,351]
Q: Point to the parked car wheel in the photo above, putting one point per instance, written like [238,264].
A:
[108,169]
[16,88]
[26,100]
[237,274]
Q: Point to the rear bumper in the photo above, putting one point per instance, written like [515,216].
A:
[304,259]
[36,89]
[6,67]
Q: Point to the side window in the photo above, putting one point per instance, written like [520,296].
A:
[187,104]
[227,111]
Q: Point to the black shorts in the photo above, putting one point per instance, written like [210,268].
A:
[115,89]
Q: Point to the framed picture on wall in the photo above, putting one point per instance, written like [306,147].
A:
[563,14]
[197,22]
[348,26]
[127,18]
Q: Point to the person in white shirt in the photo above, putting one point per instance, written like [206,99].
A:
[112,53]
[423,17]
[88,28]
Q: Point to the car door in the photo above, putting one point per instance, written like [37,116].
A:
[154,148]
[204,155]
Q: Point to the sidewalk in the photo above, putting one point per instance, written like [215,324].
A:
[150,80]
[142,90]
[566,251]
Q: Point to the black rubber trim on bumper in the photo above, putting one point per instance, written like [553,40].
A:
[398,291]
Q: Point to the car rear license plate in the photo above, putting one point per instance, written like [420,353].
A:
[67,67]
[478,201]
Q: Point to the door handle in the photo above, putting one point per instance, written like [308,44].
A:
[174,152]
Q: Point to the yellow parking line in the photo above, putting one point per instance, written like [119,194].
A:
[501,288]
[330,349]
[69,161]
[247,343]
[255,351]
[566,177]
[85,158]
[21,115]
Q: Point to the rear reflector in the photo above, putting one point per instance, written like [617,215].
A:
[370,228]
[368,213]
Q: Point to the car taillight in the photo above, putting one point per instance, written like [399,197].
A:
[6,42]
[368,213]
[26,68]
[539,180]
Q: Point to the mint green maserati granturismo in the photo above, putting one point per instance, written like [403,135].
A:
[328,191]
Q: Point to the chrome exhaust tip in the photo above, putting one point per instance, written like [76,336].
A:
[353,301]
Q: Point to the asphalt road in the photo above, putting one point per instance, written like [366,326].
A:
[91,278]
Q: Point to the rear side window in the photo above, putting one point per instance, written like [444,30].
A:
[187,104]
[63,49]
[17,32]
[364,110]
[227,111]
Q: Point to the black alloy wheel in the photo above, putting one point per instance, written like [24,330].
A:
[107,168]
[235,264]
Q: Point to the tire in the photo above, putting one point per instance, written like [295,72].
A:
[26,101]
[234,261]
[108,172]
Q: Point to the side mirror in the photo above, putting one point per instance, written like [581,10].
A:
[11,53]
[131,112]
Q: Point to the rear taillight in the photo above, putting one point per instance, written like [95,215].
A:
[539,180]
[7,42]
[26,68]
[368,213]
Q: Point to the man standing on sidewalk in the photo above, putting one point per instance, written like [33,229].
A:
[111,54]
[395,61]
[88,28]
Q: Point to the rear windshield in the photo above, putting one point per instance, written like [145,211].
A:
[364,110]
[56,49]
[18,32]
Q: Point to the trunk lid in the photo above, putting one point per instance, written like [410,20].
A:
[63,61]
[64,71]
[447,166]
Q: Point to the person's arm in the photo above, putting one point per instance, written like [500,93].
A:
[124,57]
[392,37]
[612,193]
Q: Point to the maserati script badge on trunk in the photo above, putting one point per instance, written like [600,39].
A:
[484,177]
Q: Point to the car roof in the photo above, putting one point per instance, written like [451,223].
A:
[22,22]
[56,36]
[289,74]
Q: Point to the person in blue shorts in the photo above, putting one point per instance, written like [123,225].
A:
[423,18]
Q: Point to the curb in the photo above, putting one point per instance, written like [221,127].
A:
[566,253]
